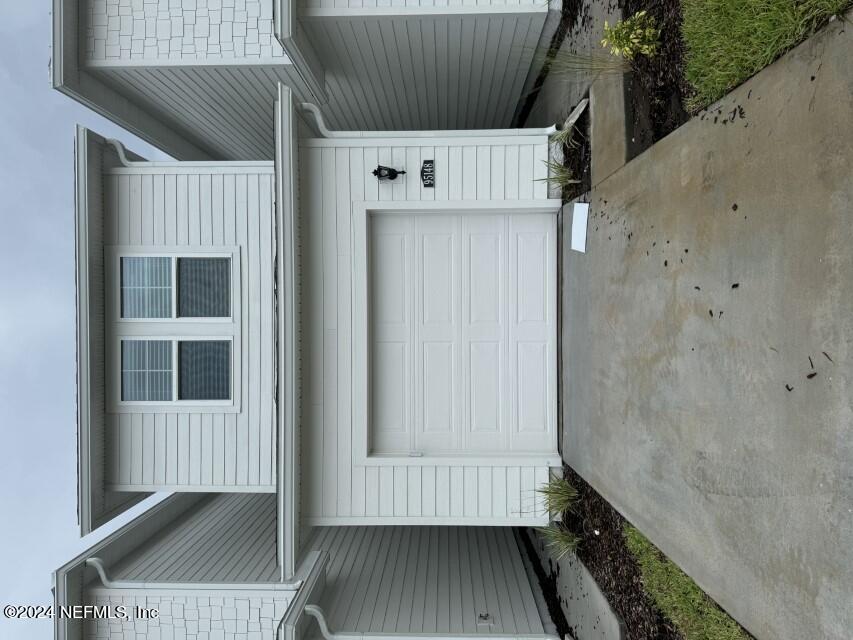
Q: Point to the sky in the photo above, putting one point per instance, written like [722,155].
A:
[38,502]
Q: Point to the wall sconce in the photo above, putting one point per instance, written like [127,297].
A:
[386,173]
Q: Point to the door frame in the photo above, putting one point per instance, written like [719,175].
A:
[361,380]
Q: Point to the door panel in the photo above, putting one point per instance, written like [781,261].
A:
[463,321]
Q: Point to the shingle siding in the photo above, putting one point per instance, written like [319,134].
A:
[188,30]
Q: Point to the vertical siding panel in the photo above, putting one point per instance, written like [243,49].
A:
[499,495]
[412,180]
[172,449]
[134,221]
[513,491]
[159,204]
[122,221]
[401,492]
[457,491]
[498,168]
[414,485]
[540,171]
[484,492]
[216,210]
[243,424]
[193,210]
[181,213]
[358,491]
[484,173]
[371,184]
[442,168]
[160,444]
[470,173]
[170,204]
[454,174]
[231,424]
[528,488]
[372,491]
[540,480]
[148,448]
[346,193]
[183,448]
[111,212]
[206,448]
[267,433]
[147,209]
[313,445]
[511,174]
[137,448]
[195,448]
[442,491]
[386,491]
[253,257]
[330,321]
[428,491]
[125,443]
[525,172]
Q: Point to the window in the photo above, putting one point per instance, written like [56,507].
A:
[176,330]
[146,370]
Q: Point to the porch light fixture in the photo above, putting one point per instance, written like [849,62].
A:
[387,173]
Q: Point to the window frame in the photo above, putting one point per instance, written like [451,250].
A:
[174,329]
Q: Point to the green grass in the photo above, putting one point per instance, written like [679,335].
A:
[728,41]
[695,615]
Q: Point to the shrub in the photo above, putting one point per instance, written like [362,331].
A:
[559,495]
[559,540]
[727,41]
[632,36]
[559,175]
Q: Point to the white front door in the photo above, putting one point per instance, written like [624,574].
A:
[463,332]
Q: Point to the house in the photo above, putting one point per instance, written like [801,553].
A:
[309,357]
[198,78]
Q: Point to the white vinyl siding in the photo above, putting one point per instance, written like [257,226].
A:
[426,580]
[334,174]
[425,72]
[463,332]
[180,209]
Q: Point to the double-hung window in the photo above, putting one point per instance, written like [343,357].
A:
[175,319]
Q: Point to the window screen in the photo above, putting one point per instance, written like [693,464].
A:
[204,370]
[146,370]
[204,287]
[146,287]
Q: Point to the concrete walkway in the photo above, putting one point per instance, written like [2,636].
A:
[708,345]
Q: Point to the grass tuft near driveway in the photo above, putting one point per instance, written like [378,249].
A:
[728,41]
[693,613]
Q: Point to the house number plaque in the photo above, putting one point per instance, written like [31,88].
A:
[428,174]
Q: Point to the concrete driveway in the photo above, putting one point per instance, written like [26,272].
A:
[708,345]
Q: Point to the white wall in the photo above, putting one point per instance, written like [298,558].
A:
[197,206]
[334,174]
[185,30]
[412,72]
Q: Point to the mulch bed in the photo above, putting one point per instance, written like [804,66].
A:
[656,90]
[607,558]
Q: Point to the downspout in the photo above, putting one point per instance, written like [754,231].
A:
[453,133]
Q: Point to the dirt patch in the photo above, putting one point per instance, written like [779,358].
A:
[656,90]
[605,554]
